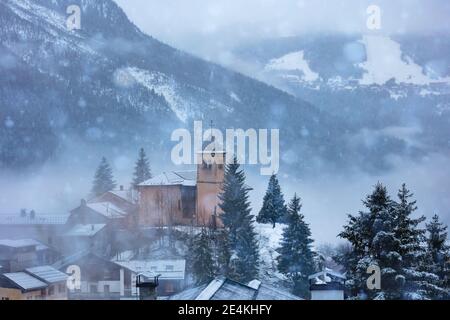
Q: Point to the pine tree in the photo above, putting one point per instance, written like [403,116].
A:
[142,169]
[274,208]
[238,222]
[296,258]
[201,257]
[387,236]
[103,180]
[439,255]
[418,282]
[223,252]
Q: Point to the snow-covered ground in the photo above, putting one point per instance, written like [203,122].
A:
[294,61]
[386,61]
[269,241]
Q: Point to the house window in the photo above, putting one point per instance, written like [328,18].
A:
[51,290]
[93,288]
[179,204]
[169,268]
[62,288]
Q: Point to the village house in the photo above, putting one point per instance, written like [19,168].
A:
[171,274]
[37,283]
[42,227]
[327,285]
[115,208]
[222,288]
[184,197]
[99,278]
[18,254]
[87,237]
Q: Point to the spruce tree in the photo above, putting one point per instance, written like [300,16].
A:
[439,255]
[103,179]
[388,237]
[223,252]
[201,257]
[238,222]
[274,208]
[142,169]
[296,259]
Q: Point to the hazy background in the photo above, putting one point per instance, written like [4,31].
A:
[212,27]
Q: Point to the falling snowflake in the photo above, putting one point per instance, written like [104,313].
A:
[9,123]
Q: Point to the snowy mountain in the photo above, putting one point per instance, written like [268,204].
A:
[378,84]
[109,89]
[109,84]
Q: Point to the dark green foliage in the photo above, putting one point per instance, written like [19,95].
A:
[142,170]
[103,180]
[238,222]
[273,209]
[296,258]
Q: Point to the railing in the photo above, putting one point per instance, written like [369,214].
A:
[128,295]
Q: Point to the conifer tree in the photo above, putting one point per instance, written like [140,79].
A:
[296,258]
[142,170]
[388,237]
[223,252]
[103,180]
[238,222]
[274,208]
[439,255]
[201,257]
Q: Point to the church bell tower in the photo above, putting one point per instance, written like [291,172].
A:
[210,176]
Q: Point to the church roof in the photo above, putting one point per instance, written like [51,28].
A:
[173,178]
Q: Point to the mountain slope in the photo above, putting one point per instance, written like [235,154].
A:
[109,84]
[392,91]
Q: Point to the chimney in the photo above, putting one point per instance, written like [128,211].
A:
[83,203]
[121,188]
[92,227]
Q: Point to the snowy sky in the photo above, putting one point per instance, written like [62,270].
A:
[196,25]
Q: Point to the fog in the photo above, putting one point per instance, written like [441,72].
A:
[212,28]
[327,198]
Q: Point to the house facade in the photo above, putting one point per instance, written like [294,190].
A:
[183,197]
[37,283]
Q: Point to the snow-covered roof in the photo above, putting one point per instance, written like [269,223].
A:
[167,269]
[225,289]
[325,274]
[16,219]
[124,194]
[47,274]
[173,178]
[23,243]
[85,230]
[25,281]
[107,209]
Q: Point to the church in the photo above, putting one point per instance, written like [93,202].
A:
[186,198]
